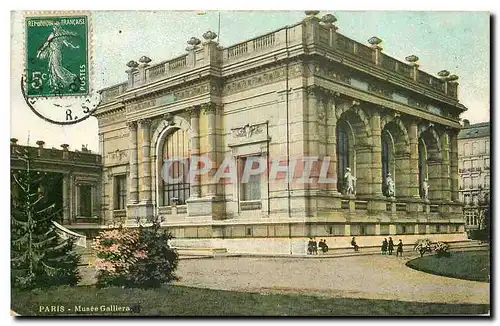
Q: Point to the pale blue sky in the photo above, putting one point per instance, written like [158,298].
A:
[455,41]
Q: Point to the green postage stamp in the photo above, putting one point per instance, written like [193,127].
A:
[57,61]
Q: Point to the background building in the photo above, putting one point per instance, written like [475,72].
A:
[474,169]
[72,180]
[303,90]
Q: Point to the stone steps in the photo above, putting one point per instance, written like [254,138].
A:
[194,251]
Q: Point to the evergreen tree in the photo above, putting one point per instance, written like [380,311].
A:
[39,257]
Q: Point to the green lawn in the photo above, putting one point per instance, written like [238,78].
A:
[467,265]
[186,301]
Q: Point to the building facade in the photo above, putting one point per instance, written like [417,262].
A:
[72,183]
[474,170]
[299,92]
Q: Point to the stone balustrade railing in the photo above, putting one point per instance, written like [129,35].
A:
[55,154]
[292,35]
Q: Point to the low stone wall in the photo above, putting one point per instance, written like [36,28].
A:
[298,246]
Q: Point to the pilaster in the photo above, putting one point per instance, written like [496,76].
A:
[414,182]
[445,168]
[133,194]
[454,164]
[145,177]
[66,198]
[194,113]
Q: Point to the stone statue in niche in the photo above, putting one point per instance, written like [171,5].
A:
[425,189]
[349,182]
[390,186]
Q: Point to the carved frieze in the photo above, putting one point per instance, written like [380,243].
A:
[117,155]
[249,134]
[333,74]
[261,78]
[110,118]
[418,104]
[211,107]
[177,95]
[380,90]
[247,130]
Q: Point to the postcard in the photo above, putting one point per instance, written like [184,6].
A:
[250,163]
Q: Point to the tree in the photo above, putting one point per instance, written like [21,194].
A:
[39,257]
[482,210]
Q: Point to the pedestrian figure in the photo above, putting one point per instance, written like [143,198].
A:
[310,247]
[391,246]
[315,246]
[353,243]
[399,251]
[384,246]
[323,246]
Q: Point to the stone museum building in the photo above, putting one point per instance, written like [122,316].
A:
[474,170]
[301,91]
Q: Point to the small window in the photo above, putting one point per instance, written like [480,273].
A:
[467,149]
[475,148]
[85,200]
[250,190]
[121,192]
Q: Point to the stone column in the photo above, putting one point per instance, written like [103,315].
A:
[315,108]
[210,110]
[414,182]
[145,182]
[66,198]
[445,168]
[376,186]
[314,105]
[331,145]
[454,165]
[133,194]
[194,113]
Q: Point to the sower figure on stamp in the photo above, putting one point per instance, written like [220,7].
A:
[349,180]
[59,77]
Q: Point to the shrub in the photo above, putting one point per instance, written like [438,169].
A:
[442,249]
[135,257]
[482,235]
[423,246]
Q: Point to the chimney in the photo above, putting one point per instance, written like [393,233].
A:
[466,123]
[40,144]
[65,151]
[13,141]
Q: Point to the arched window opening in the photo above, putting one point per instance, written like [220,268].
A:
[343,159]
[387,159]
[175,152]
[422,165]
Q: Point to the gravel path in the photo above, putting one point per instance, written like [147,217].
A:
[369,277]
